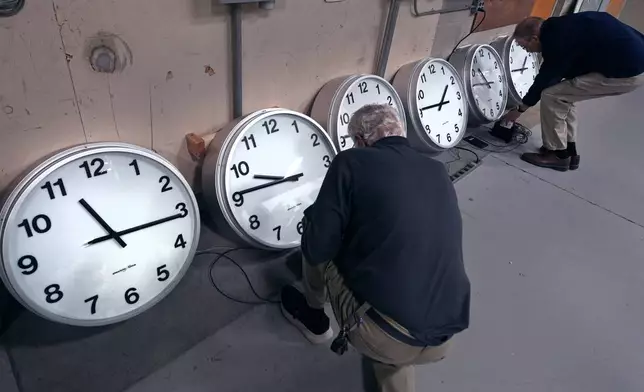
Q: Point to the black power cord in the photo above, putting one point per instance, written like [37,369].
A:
[472,29]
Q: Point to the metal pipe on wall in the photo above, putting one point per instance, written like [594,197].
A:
[236,49]
[387,38]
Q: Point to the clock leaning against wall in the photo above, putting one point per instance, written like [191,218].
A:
[522,67]
[261,173]
[341,97]
[97,234]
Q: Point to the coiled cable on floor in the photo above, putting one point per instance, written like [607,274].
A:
[10,7]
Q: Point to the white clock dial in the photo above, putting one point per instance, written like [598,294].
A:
[98,234]
[441,103]
[340,98]
[271,169]
[524,68]
[488,83]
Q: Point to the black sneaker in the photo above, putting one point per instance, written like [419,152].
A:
[313,323]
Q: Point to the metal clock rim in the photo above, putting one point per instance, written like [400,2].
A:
[413,101]
[48,166]
[229,144]
[506,41]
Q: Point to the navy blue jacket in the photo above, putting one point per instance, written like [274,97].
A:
[388,217]
[583,43]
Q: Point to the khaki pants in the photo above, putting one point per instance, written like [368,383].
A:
[392,360]
[558,111]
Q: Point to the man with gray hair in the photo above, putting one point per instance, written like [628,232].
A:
[383,242]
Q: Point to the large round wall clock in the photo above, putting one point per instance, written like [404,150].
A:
[434,98]
[485,81]
[521,66]
[97,234]
[261,173]
[341,97]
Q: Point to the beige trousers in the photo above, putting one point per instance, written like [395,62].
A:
[393,361]
[558,111]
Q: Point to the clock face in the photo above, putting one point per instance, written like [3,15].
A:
[441,103]
[364,91]
[273,173]
[99,236]
[487,83]
[524,68]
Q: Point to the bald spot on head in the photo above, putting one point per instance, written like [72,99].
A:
[529,27]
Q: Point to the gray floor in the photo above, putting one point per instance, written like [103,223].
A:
[556,263]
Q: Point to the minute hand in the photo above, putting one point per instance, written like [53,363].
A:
[292,178]
[136,228]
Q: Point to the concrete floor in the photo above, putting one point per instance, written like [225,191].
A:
[555,259]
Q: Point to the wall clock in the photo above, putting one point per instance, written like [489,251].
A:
[262,172]
[97,234]
[434,98]
[341,97]
[485,81]
[521,66]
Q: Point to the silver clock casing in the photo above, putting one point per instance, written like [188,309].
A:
[502,44]
[405,82]
[215,165]
[462,59]
[328,102]
[27,183]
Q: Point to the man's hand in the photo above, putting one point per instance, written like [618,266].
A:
[512,116]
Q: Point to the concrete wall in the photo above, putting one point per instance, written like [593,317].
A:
[633,14]
[50,98]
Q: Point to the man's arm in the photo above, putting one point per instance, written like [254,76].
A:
[326,219]
[551,73]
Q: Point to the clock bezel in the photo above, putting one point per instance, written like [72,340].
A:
[463,60]
[326,106]
[37,173]
[406,82]
[502,45]
[214,170]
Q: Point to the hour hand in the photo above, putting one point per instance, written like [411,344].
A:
[267,177]
[112,234]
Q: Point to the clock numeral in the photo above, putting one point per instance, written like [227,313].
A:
[180,242]
[438,136]
[315,138]
[254,222]
[50,188]
[390,100]
[477,102]
[484,113]
[423,78]
[131,296]
[512,48]
[421,95]
[534,65]
[93,301]
[294,124]
[432,69]
[452,81]
[511,60]
[458,95]
[456,128]
[489,55]
[344,119]
[496,65]
[300,227]
[28,264]
[53,293]
[249,141]
[421,113]
[481,53]
[498,107]
[460,112]
[449,137]
[343,141]
[99,163]
[278,229]
[135,165]
[40,224]
[492,112]
[476,60]
[500,79]
[473,72]
[363,87]
[240,169]
[327,161]
[378,88]
[270,126]
[165,180]
[428,129]
[162,273]
[182,208]
[500,93]
[443,69]
[238,198]
[350,99]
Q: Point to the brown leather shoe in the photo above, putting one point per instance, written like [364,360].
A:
[548,160]
[574,160]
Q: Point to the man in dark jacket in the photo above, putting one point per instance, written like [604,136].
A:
[585,56]
[383,241]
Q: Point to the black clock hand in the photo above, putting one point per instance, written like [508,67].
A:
[525,60]
[292,178]
[485,79]
[442,102]
[434,106]
[520,69]
[112,234]
[265,177]
[483,84]
[137,228]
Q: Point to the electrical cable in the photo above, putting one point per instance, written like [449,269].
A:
[478,159]
[224,256]
[472,29]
